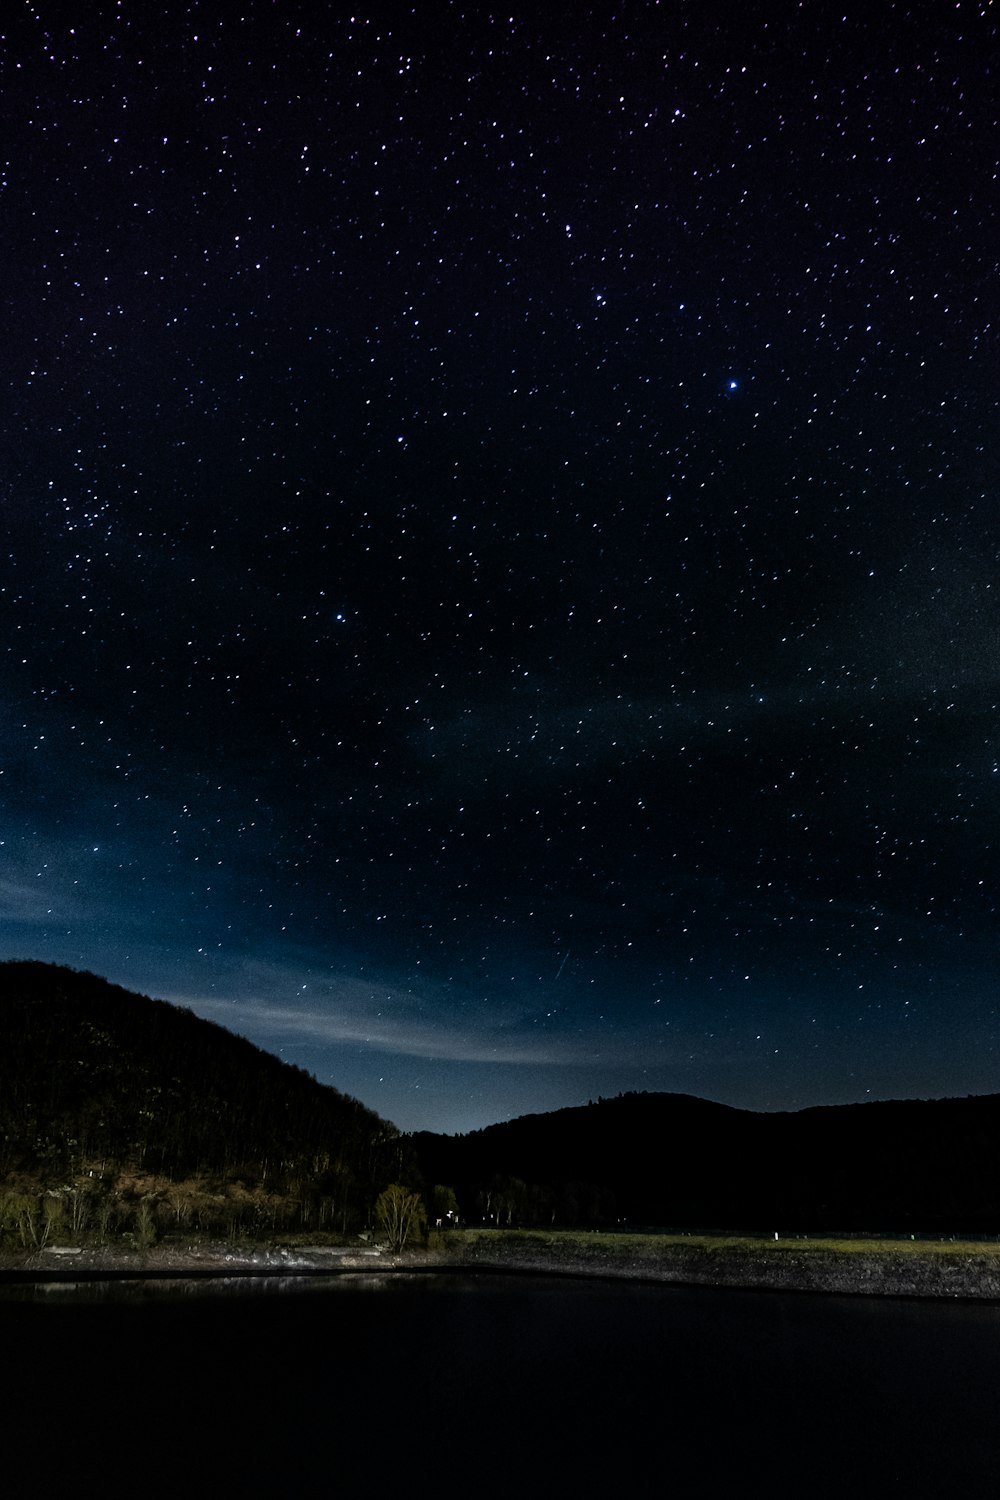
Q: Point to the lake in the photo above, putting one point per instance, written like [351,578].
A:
[419,1384]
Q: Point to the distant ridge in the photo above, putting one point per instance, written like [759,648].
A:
[905,1166]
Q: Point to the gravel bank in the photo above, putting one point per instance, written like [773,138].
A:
[219,1259]
[882,1269]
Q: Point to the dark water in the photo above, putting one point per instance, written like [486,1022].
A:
[415,1385]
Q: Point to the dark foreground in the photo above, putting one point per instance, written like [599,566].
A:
[494,1386]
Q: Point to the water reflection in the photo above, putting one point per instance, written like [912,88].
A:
[113,1290]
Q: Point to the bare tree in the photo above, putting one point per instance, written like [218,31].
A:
[144,1233]
[107,1213]
[400,1213]
[20,1213]
[80,1199]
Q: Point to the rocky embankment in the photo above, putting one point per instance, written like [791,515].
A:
[876,1268]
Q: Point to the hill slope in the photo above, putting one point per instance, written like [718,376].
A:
[97,1081]
[668,1159]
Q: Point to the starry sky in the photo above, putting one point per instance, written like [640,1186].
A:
[500,533]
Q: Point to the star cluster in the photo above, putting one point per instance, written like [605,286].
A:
[499,578]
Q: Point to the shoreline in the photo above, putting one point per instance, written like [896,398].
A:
[942,1270]
[215,1259]
[881,1268]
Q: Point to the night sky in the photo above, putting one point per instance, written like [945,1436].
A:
[500,568]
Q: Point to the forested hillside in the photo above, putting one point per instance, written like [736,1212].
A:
[110,1097]
[673,1161]
[122,1115]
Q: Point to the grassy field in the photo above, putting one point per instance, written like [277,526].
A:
[655,1244]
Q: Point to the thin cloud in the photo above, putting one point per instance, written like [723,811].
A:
[392,1023]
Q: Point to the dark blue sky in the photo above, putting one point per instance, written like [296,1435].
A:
[499,591]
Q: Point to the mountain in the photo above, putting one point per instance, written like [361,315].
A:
[672,1160]
[110,1100]
[98,1083]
